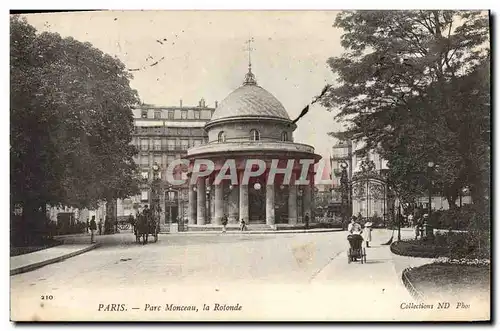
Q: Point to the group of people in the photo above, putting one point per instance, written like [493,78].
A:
[224,221]
[92,226]
[421,227]
[355,229]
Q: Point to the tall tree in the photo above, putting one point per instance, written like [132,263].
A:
[413,85]
[71,122]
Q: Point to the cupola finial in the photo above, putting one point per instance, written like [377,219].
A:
[249,77]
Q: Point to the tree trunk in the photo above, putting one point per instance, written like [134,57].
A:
[29,218]
[111,216]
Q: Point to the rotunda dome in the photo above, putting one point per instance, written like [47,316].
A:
[249,100]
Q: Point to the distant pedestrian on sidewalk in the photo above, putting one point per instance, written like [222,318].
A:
[367,233]
[100,226]
[243,225]
[224,223]
[87,225]
[131,221]
[306,220]
[410,220]
[93,227]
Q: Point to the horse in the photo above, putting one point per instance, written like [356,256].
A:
[142,229]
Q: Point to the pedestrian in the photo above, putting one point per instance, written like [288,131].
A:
[417,229]
[224,223]
[100,226]
[106,225]
[87,225]
[423,232]
[131,221]
[354,227]
[410,220]
[367,233]
[93,227]
[243,225]
[306,220]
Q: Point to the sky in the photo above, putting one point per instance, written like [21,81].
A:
[202,54]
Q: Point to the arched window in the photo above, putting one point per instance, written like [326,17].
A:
[284,136]
[222,137]
[254,135]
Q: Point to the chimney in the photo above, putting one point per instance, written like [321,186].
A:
[216,103]
[181,103]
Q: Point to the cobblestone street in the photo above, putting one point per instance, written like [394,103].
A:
[296,276]
[122,270]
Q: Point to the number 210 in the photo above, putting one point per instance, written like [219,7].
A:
[47,297]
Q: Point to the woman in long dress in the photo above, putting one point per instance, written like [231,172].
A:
[367,233]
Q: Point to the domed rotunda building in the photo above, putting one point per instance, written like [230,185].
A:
[251,124]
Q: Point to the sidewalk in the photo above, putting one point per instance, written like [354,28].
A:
[212,232]
[28,262]
[374,289]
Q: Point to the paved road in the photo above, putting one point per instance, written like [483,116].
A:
[274,274]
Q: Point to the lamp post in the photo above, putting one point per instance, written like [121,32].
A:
[171,197]
[463,192]
[399,220]
[430,167]
[208,208]
[154,190]
[300,193]
[344,185]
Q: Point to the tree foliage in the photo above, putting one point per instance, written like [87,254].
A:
[71,121]
[414,86]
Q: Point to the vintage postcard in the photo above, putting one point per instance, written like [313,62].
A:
[250,166]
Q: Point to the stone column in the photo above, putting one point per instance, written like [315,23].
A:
[192,206]
[233,205]
[211,205]
[270,220]
[312,215]
[209,200]
[201,201]
[244,203]
[307,201]
[219,203]
[292,201]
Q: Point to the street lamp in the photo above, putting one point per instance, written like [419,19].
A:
[208,207]
[463,192]
[301,195]
[344,185]
[399,220]
[171,197]
[430,166]
[154,190]
[156,168]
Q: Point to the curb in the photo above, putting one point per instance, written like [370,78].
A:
[417,295]
[36,265]
[252,232]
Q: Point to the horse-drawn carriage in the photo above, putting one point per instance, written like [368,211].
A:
[147,224]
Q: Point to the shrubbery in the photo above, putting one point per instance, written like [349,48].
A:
[464,245]
[39,230]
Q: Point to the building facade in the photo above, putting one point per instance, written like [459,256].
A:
[368,193]
[162,135]
[250,123]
